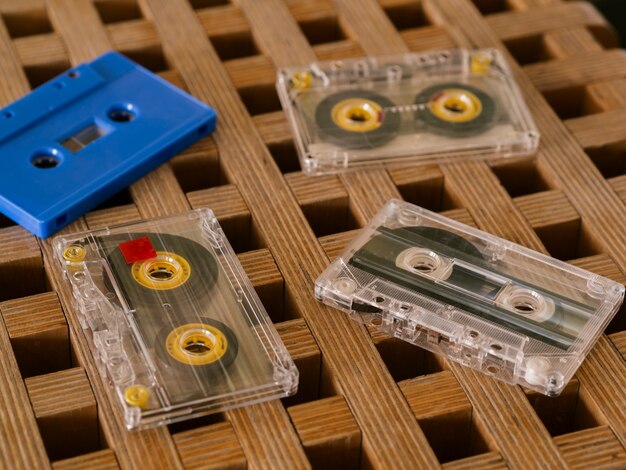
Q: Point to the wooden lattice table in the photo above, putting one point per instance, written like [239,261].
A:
[365,399]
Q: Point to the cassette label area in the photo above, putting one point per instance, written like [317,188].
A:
[176,327]
[432,106]
[482,301]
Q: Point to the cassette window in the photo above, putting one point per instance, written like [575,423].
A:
[482,301]
[177,330]
[401,109]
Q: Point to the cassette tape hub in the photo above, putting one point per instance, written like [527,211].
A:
[177,329]
[482,301]
[430,106]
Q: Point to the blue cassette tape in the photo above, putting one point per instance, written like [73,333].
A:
[87,134]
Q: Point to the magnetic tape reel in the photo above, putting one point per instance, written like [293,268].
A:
[416,107]
[482,301]
[177,329]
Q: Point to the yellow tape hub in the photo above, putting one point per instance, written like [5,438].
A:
[165,271]
[456,105]
[137,395]
[357,115]
[196,344]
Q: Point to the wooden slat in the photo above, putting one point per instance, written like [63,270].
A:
[592,448]
[99,460]
[210,447]
[488,461]
[38,332]
[577,71]
[306,354]
[329,433]
[284,229]
[20,442]
[65,409]
[514,25]
[601,129]
[79,23]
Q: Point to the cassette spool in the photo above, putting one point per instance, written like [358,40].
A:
[434,106]
[482,301]
[87,134]
[177,330]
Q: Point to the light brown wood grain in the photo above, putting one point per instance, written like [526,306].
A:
[66,412]
[98,460]
[552,200]
[38,332]
[329,433]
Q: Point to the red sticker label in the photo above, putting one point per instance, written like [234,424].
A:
[139,249]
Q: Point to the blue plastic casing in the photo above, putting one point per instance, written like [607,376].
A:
[85,135]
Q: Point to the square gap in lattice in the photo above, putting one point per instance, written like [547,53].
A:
[520,177]
[405,360]
[610,159]
[407,16]
[200,4]
[115,11]
[429,193]
[6,222]
[121,198]
[569,412]
[453,438]
[323,30]
[66,413]
[568,103]
[189,424]
[569,241]
[28,22]
[234,45]
[40,74]
[285,155]
[151,58]
[487,7]
[260,99]
[198,167]
[528,50]
[330,216]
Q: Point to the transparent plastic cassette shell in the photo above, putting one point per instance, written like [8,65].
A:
[177,329]
[418,107]
[482,301]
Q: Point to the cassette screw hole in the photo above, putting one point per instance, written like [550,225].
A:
[473,334]
[379,300]
[73,74]
[493,369]
[74,253]
[405,307]
[8,114]
[46,162]
[496,347]
[121,115]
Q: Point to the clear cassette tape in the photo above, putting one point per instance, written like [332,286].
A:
[482,301]
[177,329]
[418,107]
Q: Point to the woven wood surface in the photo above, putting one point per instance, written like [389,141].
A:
[365,400]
